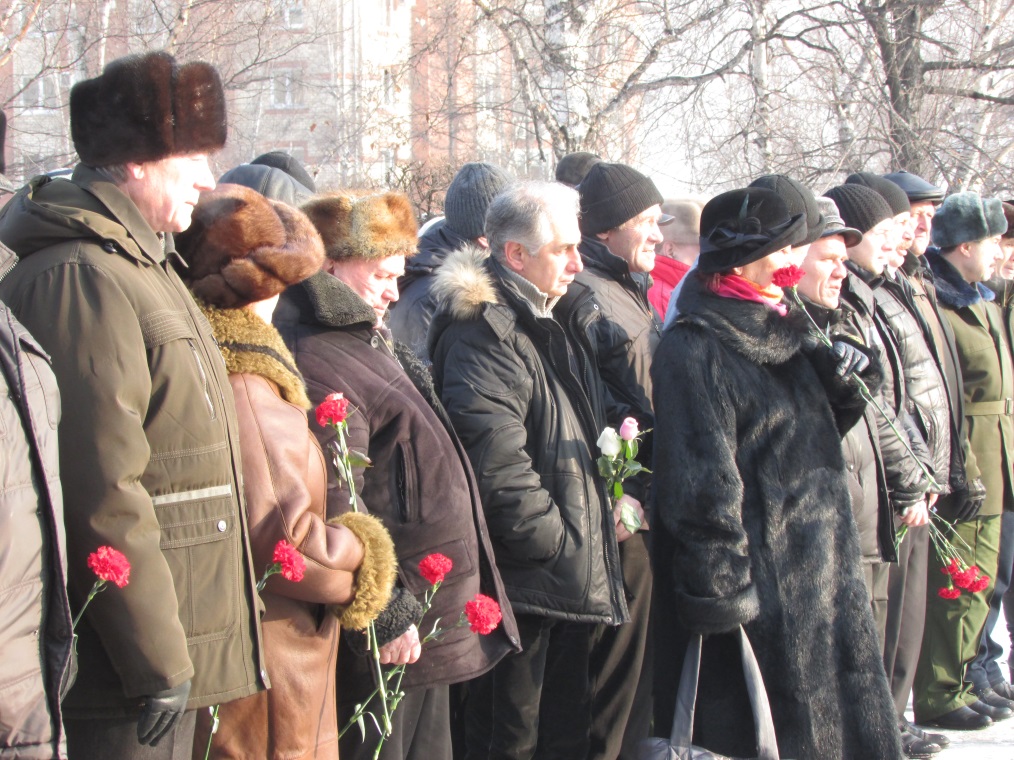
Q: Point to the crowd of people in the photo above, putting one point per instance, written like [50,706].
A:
[819,392]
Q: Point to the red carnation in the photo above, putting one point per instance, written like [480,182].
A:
[952,569]
[110,565]
[332,410]
[435,567]
[966,578]
[787,277]
[293,565]
[949,593]
[980,584]
[483,614]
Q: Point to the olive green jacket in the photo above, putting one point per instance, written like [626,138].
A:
[148,449]
[987,373]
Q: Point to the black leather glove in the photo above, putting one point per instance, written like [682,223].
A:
[974,496]
[849,359]
[160,712]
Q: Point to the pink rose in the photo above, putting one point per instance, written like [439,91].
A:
[628,430]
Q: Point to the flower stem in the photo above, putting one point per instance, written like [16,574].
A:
[96,588]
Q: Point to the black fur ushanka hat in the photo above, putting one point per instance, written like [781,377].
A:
[145,108]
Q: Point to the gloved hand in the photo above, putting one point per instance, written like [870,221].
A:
[974,497]
[850,359]
[161,710]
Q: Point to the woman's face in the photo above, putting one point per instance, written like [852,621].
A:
[761,272]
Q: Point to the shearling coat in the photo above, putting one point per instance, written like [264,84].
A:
[420,484]
[149,451]
[285,483]
[35,635]
[524,398]
[755,529]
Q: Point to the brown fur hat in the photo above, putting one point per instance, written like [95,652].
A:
[145,108]
[242,248]
[370,227]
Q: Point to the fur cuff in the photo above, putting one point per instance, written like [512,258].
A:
[375,576]
[719,615]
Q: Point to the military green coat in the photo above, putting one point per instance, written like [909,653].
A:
[988,376]
[148,449]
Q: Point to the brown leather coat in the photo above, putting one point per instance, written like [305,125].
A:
[285,483]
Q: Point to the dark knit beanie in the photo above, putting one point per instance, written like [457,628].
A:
[469,195]
[145,108]
[891,193]
[1008,212]
[574,167]
[966,218]
[613,193]
[289,164]
[799,200]
[916,188]
[743,226]
[242,248]
[860,207]
[270,182]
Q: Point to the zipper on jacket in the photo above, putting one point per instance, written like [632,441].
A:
[204,377]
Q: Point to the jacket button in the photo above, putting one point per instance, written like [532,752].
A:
[222,526]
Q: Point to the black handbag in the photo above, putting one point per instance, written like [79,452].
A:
[678,747]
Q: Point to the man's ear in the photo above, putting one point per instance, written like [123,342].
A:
[136,171]
[514,256]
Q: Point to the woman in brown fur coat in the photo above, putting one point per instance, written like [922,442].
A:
[242,251]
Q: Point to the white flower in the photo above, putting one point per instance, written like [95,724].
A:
[609,443]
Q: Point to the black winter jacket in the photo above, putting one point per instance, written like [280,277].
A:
[420,483]
[755,529]
[528,406]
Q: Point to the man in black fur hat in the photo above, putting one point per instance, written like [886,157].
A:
[148,444]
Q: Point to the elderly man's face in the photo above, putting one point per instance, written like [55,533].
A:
[922,223]
[373,280]
[555,265]
[876,247]
[824,271]
[1006,268]
[166,191]
[634,241]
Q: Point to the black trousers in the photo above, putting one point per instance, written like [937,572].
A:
[116,739]
[620,669]
[906,614]
[421,729]
[534,704]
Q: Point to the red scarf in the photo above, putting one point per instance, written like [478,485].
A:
[734,286]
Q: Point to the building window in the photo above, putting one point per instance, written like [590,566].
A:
[286,89]
[40,92]
[292,14]
[388,87]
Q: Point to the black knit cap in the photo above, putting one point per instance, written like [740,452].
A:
[613,193]
[891,193]
[468,197]
[574,167]
[798,198]
[916,188]
[745,225]
[279,159]
[861,207]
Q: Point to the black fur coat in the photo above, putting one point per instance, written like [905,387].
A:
[754,527]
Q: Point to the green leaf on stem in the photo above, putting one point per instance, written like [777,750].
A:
[359,459]
[605,467]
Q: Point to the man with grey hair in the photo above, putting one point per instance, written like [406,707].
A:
[525,399]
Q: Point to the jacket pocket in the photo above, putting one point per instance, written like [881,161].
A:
[161,330]
[405,482]
[200,542]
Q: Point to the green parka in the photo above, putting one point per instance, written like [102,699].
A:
[988,375]
[148,449]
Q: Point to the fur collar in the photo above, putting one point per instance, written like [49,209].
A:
[464,285]
[250,345]
[952,289]
[752,329]
[334,303]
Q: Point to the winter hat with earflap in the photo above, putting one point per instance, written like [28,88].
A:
[860,207]
[145,108]
[471,191]
[743,226]
[242,248]
[799,200]
[367,227]
[966,218]
[894,195]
